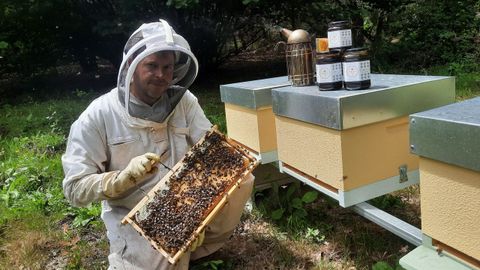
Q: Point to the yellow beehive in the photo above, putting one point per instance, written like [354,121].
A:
[447,139]
[336,158]
[450,204]
[249,115]
[253,128]
[353,145]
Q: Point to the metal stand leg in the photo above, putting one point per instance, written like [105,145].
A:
[395,225]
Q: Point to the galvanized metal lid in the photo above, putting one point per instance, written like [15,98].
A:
[389,96]
[450,134]
[252,94]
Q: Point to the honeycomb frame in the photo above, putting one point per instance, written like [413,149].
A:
[229,183]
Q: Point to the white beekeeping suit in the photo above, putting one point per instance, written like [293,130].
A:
[117,127]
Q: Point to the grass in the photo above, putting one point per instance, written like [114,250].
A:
[27,249]
[32,205]
[344,241]
[467,77]
[213,108]
[39,230]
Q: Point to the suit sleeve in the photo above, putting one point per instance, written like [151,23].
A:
[84,165]
[197,122]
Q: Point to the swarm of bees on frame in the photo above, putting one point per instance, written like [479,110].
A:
[174,214]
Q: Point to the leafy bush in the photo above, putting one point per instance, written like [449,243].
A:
[211,265]
[387,201]
[288,205]
[421,34]
[402,33]
[385,266]
[291,203]
[84,215]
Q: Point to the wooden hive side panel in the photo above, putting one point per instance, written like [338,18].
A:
[242,125]
[266,129]
[375,152]
[450,205]
[311,149]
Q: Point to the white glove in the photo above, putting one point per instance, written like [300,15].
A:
[198,242]
[115,185]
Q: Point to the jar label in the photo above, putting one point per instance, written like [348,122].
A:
[356,71]
[328,73]
[340,38]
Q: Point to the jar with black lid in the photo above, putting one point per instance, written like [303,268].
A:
[356,69]
[329,70]
[339,35]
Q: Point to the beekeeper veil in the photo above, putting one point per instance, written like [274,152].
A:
[147,39]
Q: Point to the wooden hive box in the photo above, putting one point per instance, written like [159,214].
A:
[353,145]
[249,115]
[447,139]
[187,198]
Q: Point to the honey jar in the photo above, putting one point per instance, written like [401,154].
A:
[339,35]
[329,70]
[356,69]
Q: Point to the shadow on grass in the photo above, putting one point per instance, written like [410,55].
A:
[343,239]
[254,250]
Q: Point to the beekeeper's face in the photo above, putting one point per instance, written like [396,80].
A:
[153,76]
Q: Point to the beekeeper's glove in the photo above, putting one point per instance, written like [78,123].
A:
[198,242]
[115,185]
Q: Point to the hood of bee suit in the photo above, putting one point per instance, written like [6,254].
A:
[147,39]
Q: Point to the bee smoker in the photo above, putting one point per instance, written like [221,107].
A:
[299,57]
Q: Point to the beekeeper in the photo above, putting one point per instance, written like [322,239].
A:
[116,145]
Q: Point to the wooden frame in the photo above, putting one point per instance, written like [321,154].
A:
[216,204]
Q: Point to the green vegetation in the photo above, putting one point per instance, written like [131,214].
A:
[292,209]
[214,109]
[412,34]
[385,266]
[467,78]
[288,204]
[211,265]
[33,138]
[344,238]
